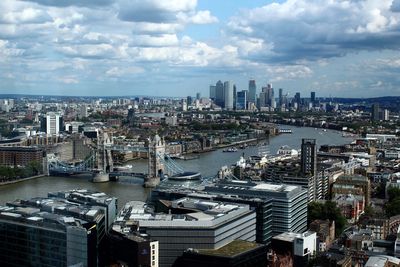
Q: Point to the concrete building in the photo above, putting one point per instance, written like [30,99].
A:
[382,261]
[375,112]
[252,92]
[31,237]
[267,98]
[301,246]
[241,100]
[200,225]
[213,92]
[219,94]
[262,207]
[128,246]
[228,95]
[289,202]
[52,123]
[91,198]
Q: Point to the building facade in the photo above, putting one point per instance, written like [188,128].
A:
[288,202]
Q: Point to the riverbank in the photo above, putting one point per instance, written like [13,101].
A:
[21,180]
[247,141]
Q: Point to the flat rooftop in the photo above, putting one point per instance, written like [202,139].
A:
[291,236]
[232,249]
[83,195]
[275,187]
[37,218]
[206,213]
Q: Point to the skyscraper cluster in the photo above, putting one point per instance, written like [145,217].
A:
[227,96]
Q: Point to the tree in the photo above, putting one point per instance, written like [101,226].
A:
[327,210]
[392,207]
[393,193]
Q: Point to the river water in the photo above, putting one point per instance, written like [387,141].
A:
[131,189]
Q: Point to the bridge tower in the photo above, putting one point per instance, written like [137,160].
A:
[156,165]
[104,159]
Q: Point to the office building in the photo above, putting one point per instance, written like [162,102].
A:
[198,96]
[228,95]
[262,207]
[383,114]
[252,92]
[91,198]
[52,123]
[375,112]
[219,94]
[288,202]
[312,98]
[189,100]
[126,245]
[33,238]
[199,224]
[241,100]
[297,100]
[234,96]
[83,111]
[280,99]
[184,105]
[213,92]
[267,99]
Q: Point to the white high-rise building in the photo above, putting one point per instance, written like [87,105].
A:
[52,123]
[83,113]
[228,95]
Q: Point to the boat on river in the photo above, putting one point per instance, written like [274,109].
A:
[230,149]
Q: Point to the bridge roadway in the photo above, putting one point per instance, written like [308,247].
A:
[115,174]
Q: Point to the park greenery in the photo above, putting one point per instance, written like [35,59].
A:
[392,207]
[327,210]
[10,173]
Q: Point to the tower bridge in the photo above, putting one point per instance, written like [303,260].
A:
[101,165]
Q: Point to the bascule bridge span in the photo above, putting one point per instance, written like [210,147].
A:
[101,165]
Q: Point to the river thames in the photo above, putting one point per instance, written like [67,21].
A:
[131,189]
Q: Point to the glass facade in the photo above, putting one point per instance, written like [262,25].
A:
[30,245]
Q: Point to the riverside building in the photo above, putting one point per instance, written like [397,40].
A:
[91,198]
[199,224]
[288,202]
[31,237]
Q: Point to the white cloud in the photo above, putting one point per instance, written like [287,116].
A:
[26,15]
[201,17]
[119,72]
[156,28]
[154,11]
[98,51]
[283,73]
[68,80]
[155,40]
[314,29]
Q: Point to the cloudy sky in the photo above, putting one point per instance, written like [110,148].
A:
[179,47]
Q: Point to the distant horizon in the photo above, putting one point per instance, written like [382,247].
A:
[183,97]
[180,47]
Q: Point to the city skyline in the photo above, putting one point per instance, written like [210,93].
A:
[120,47]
